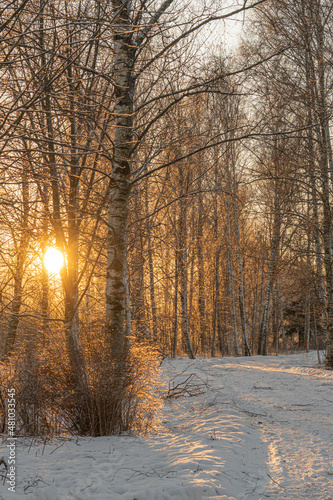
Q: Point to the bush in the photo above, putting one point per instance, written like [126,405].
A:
[108,400]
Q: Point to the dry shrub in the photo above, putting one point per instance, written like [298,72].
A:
[110,399]
[118,396]
[39,375]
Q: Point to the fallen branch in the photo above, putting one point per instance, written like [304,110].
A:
[191,386]
[4,476]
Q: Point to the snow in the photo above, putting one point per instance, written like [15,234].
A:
[259,427]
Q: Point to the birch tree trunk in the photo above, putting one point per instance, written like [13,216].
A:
[216,285]
[72,292]
[231,285]
[233,206]
[262,342]
[283,330]
[226,322]
[316,76]
[201,276]
[327,182]
[45,281]
[246,346]
[182,261]
[175,306]
[137,291]
[68,273]
[318,246]
[216,330]
[116,274]
[22,247]
[152,290]
[154,330]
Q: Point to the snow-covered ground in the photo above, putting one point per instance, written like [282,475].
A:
[262,428]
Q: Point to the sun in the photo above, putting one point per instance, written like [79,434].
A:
[53,260]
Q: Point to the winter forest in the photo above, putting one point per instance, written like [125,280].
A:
[165,191]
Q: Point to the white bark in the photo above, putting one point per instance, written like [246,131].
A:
[116,277]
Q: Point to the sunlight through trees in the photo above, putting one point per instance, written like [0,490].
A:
[158,198]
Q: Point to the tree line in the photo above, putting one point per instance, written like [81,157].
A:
[189,191]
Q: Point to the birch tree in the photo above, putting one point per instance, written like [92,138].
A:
[140,48]
[304,29]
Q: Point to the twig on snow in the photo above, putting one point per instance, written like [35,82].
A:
[276,482]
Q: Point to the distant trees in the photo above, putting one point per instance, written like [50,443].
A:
[303,77]
[191,201]
[150,88]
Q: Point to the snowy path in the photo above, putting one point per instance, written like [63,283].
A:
[292,404]
[297,426]
[263,429]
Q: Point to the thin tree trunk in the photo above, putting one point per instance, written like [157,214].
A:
[175,308]
[316,85]
[213,342]
[327,232]
[316,334]
[19,270]
[183,277]
[217,308]
[137,290]
[246,346]
[217,277]
[231,287]
[307,326]
[283,331]
[314,192]
[201,277]
[190,296]
[15,311]
[226,319]
[45,283]
[137,274]
[68,275]
[152,290]
[262,344]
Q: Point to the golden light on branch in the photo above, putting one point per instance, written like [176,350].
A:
[53,260]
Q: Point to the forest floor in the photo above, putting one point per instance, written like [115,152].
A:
[261,427]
